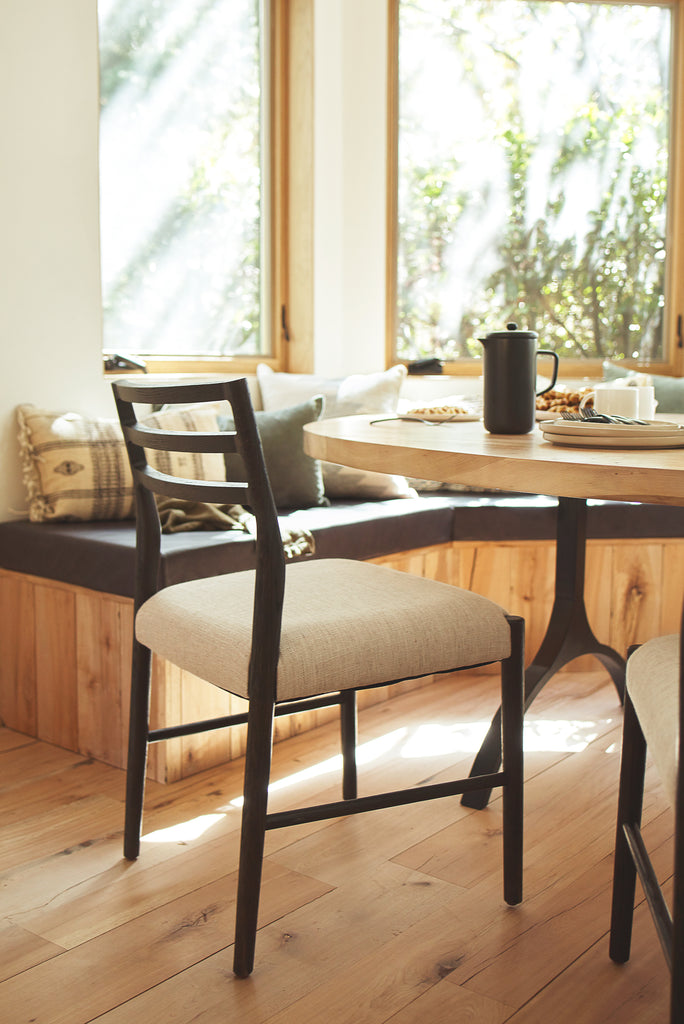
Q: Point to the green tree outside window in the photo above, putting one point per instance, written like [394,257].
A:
[533,169]
[181,180]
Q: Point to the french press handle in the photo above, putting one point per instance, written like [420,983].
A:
[554,356]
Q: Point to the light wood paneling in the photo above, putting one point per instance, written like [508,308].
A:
[672,587]
[165,759]
[598,584]
[126,636]
[56,666]
[102,665]
[17,653]
[200,700]
[65,669]
[637,587]
[487,569]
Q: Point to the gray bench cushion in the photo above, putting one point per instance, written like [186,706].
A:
[101,555]
[516,517]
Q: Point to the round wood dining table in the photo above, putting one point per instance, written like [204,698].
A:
[464,452]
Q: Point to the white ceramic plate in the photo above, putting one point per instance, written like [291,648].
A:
[442,417]
[589,428]
[662,440]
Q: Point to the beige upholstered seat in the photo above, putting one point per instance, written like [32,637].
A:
[653,685]
[402,625]
[653,722]
[293,637]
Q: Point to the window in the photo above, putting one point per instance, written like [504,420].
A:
[533,161]
[186,184]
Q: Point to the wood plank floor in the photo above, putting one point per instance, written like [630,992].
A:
[395,916]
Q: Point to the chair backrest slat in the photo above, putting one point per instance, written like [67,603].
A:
[156,392]
[218,492]
[182,440]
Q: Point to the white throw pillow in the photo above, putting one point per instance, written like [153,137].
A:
[349,396]
[359,393]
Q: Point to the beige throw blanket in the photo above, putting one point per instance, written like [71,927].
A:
[178,516]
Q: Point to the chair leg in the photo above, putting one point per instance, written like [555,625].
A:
[137,749]
[677,955]
[677,984]
[348,721]
[257,773]
[512,716]
[630,800]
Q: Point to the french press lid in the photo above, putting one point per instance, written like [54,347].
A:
[511,331]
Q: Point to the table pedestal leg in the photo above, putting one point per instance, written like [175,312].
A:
[568,635]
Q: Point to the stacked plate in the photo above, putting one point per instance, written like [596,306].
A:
[592,434]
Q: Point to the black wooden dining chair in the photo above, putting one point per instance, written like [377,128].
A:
[292,637]
[653,721]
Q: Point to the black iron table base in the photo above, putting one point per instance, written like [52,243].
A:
[568,635]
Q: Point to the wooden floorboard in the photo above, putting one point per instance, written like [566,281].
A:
[395,916]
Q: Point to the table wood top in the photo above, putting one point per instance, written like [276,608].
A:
[466,453]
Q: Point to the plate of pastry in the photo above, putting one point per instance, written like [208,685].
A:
[552,403]
[441,414]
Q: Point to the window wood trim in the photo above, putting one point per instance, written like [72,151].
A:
[674,324]
[392,180]
[298,201]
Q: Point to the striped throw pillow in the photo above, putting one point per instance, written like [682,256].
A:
[74,467]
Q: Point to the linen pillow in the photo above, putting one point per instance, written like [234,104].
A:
[359,393]
[190,465]
[669,391]
[74,467]
[369,392]
[296,478]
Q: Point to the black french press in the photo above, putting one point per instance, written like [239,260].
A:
[510,379]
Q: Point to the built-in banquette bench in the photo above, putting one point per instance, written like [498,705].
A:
[66,614]
[66,609]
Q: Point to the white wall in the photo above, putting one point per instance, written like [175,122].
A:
[328,187]
[49,245]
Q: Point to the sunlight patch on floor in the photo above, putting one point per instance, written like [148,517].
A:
[185,831]
[424,741]
[551,735]
[365,754]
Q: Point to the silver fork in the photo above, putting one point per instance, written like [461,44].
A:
[601,417]
[611,417]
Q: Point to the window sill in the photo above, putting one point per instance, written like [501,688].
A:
[196,367]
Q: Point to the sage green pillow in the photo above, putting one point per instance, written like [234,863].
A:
[669,391]
[296,478]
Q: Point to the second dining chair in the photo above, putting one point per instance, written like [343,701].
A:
[294,636]
[653,722]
